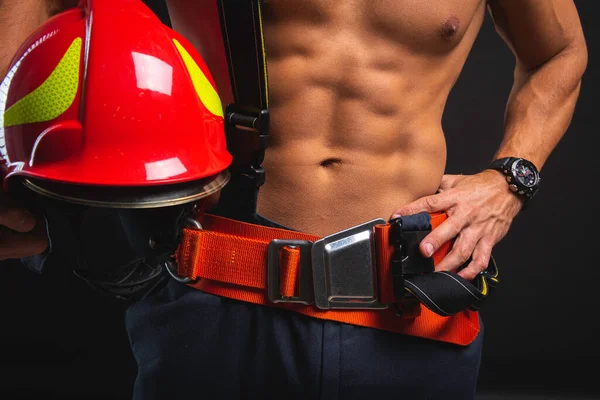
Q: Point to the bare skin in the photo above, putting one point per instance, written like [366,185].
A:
[356,103]
[357,95]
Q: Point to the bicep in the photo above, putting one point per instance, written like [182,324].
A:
[536,30]
[18,19]
[56,6]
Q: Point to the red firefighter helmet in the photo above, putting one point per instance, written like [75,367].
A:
[104,100]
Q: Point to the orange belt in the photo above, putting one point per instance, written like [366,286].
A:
[272,267]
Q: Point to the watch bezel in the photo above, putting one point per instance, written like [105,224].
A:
[508,167]
[521,187]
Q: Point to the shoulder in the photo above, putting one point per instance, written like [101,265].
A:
[56,6]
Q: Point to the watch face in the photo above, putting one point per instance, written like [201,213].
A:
[525,173]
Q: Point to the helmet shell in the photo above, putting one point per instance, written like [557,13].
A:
[108,95]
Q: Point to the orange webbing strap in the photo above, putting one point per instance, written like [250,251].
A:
[230,257]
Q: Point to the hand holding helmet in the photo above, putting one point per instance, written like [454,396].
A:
[21,235]
[111,128]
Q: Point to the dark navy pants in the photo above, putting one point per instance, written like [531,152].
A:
[193,345]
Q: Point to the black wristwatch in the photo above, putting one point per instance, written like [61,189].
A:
[522,176]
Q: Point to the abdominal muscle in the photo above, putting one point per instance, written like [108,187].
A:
[326,183]
[321,200]
[355,124]
[357,92]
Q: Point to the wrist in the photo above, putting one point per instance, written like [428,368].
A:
[521,176]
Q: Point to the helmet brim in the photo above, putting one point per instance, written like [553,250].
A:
[130,197]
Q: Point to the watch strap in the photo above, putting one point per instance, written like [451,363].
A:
[501,163]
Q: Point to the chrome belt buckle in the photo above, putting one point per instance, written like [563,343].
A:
[344,269]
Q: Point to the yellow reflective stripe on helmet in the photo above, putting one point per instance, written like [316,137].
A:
[54,96]
[207,94]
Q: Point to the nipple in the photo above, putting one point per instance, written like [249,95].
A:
[450,27]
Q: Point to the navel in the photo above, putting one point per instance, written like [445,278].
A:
[330,162]
[450,27]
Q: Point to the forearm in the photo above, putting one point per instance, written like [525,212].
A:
[541,105]
[18,19]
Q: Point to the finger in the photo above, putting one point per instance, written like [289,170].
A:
[462,249]
[433,203]
[15,218]
[444,232]
[16,245]
[481,259]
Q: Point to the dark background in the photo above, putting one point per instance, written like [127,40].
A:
[58,339]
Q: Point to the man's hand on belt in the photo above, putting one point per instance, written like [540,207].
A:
[480,210]
[20,234]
